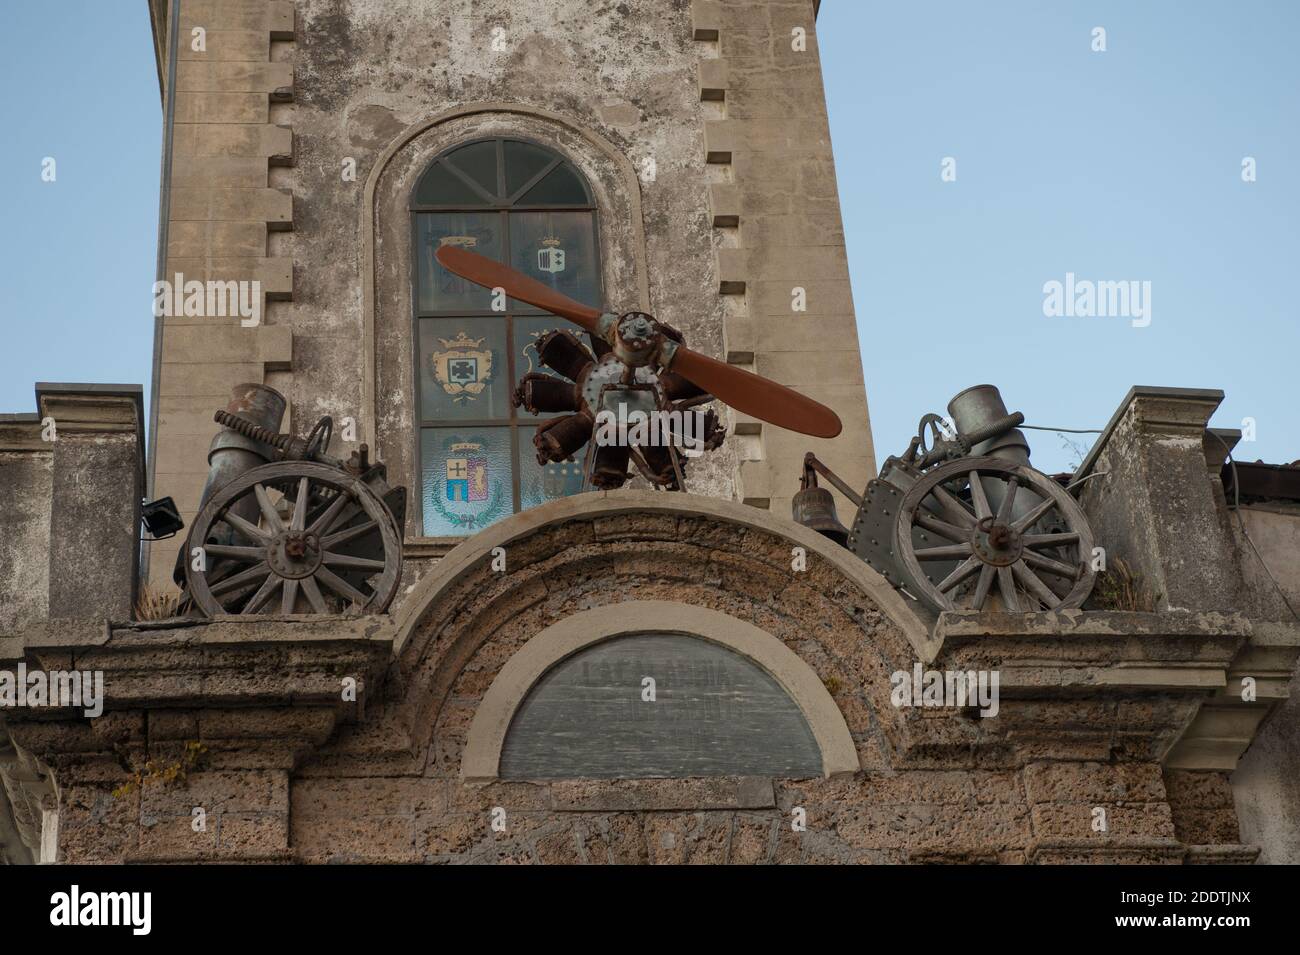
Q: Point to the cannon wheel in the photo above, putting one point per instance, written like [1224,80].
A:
[329,546]
[1004,563]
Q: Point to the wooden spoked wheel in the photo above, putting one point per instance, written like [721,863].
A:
[293,537]
[1031,555]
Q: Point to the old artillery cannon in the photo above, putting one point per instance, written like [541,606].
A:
[285,528]
[961,521]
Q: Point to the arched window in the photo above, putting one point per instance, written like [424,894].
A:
[714,713]
[523,205]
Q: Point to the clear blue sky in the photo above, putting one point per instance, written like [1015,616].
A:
[77,255]
[1116,165]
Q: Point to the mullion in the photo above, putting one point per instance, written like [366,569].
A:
[510,341]
[480,313]
[467,180]
[492,207]
[513,422]
[454,423]
[524,189]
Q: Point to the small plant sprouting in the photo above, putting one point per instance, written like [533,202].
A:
[156,604]
[1122,588]
[155,773]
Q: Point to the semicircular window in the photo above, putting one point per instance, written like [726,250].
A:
[714,713]
[527,207]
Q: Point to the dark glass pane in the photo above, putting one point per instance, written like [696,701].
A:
[441,187]
[466,479]
[440,290]
[539,483]
[523,161]
[463,372]
[718,714]
[558,249]
[561,187]
[527,332]
[479,162]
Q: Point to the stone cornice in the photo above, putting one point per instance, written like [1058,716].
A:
[1180,410]
[1169,683]
[262,661]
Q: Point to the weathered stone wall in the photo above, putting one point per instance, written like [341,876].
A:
[742,206]
[71,479]
[776,215]
[297,766]
[933,786]
[26,480]
[222,209]
[1267,783]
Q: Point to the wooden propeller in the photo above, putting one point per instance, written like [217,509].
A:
[748,393]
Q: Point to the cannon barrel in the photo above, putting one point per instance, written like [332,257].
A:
[231,454]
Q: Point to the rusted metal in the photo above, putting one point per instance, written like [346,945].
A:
[284,527]
[1037,562]
[959,529]
[232,454]
[1258,481]
[813,466]
[814,506]
[632,351]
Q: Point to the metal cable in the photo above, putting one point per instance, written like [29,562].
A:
[1236,509]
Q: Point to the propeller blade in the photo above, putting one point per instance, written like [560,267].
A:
[755,396]
[763,399]
[483,271]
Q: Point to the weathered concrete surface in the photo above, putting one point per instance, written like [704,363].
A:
[71,479]
[26,482]
[742,207]
[1155,506]
[1274,531]
[258,696]
[1267,780]
[1267,783]
[295,771]
[1266,786]
[95,497]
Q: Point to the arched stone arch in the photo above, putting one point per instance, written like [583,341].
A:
[487,734]
[386,267]
[461,623]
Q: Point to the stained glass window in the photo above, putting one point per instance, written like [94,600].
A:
[526,206]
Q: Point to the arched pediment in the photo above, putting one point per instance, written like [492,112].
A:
[496,594]
[720,744]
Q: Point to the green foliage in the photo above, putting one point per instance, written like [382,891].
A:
[155,773]
[1120,587]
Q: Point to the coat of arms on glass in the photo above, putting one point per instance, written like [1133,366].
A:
[525,206]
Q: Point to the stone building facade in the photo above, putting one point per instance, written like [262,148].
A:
[736,671]
[301,129]
[399,737]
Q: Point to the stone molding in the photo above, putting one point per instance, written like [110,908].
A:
[764,122]
[487,734]
[477,550]
[1177,669]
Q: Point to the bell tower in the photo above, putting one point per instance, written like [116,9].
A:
[666,156]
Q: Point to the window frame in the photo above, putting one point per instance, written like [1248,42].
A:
[502,207]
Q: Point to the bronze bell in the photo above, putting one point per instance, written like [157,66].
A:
[815,507]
